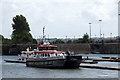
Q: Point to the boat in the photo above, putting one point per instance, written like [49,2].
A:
[47,56]
[22,57]
[26,54]
[14,61]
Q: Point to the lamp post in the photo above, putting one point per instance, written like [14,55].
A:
[74,37]
[90,31]
[118,26]
[66,39]
[111,37]
[43,33]
[100,27]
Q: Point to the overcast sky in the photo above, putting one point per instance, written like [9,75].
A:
[61,17]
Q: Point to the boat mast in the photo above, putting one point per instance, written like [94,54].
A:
[44,34]
[45,42]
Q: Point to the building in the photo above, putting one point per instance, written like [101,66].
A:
[119,18]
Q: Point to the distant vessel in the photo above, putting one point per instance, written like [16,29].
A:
[26,54]
[22,57]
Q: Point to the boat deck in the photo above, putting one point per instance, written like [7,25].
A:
[15,61]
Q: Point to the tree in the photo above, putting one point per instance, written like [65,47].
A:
[58,41]
[69,42]
[1,38]
[4,40]
[85,38]
[21,30]
[78,40]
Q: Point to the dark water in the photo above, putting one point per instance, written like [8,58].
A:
[18,70]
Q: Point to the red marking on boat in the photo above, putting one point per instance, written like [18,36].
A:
[48,52]
[46,46]
[27,51]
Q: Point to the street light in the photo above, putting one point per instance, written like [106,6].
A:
[100,27]
[43,33]
[74,37]
[119,25]
[119,28]
[66,39]
[90,31]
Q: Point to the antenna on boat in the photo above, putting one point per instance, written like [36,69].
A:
[45,42]
[43,33]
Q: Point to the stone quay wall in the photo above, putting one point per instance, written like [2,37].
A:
[76,48]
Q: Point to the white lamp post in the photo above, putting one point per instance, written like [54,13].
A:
[100,27]
[90,31]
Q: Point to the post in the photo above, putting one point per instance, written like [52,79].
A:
[66,40]
[43,33]
[119,22]
[74,37]
[90,32]
[119,19]
[100,27]
[118,27]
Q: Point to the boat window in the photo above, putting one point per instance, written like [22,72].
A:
[47,48]
[42,54]
[56,54]
[39,54]
[52,54]
[45,55]
[52,48]
[48,55]
[41,48]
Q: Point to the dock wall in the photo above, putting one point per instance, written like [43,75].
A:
[108,48]
[15,49]
[77,48]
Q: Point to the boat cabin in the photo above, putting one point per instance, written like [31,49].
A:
[47,47]
[46,54]
[42,51]
[26,54]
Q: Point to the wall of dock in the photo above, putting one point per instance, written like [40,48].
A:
[108,48]
[15,49]
[77,48]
